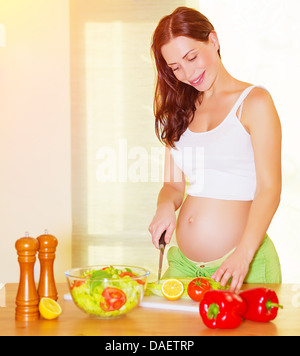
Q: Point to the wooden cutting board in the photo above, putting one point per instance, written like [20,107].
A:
[155,302]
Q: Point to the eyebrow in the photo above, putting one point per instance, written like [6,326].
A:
[170,64]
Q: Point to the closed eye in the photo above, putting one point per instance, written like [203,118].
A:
[174,68]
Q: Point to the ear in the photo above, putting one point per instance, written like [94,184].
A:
[213,38]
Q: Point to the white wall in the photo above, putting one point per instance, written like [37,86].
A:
[34,129]
[260,44]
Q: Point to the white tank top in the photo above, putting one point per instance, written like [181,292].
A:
[219,163]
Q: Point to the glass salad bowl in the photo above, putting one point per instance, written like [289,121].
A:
[107,292]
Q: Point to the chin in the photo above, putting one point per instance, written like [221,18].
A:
[203,87]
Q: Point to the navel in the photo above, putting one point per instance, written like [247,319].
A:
[191,220]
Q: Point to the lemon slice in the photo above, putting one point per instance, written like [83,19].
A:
[172,289]
[49,308]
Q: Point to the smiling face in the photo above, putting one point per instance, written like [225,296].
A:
[193,62]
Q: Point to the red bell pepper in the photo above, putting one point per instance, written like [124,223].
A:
[262,304]
[222,309]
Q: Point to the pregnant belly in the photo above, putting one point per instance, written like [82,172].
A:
[207,228]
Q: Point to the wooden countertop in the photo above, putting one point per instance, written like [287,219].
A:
[148,322]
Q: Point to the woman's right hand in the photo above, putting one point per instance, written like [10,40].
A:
[164,219]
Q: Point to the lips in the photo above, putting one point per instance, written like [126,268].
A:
[198,80]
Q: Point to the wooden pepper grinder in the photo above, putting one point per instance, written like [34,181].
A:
[27,300]
[47,248]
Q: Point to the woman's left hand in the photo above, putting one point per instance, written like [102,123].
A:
[236,266]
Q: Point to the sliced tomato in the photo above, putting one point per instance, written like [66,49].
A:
[104,268]
[197,288]
[78,283]
[123,274]
[114,299]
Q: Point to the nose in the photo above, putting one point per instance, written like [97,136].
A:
[189,73]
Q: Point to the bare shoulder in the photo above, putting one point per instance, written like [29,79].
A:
[259,109]
[259,101]
[259,95]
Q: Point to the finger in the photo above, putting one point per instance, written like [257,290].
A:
[225,278]
[152,227]
[239,285]
[156,236]
[234,283]
[218,274]
[169,233]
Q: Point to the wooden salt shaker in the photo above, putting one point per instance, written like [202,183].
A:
[27,300]
[47,248]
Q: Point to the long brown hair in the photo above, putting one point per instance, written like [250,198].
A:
[174,101]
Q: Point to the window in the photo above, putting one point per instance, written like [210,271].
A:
[117,161]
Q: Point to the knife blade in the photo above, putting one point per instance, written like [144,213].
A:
[162,245]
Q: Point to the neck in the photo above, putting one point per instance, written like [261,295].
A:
[222,81]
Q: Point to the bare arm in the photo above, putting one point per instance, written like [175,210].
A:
[265,130]
[169,200]
[263,124]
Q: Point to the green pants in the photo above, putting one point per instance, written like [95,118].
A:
[264,268]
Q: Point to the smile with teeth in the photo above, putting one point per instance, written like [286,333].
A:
[198,80]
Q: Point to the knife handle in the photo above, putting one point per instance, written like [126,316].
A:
[162,239]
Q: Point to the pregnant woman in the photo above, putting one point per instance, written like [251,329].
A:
[224,135]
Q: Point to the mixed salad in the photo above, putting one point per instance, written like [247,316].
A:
[108,292]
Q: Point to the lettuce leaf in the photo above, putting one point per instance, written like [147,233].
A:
[97,279]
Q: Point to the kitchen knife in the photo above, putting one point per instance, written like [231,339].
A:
[162,245]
